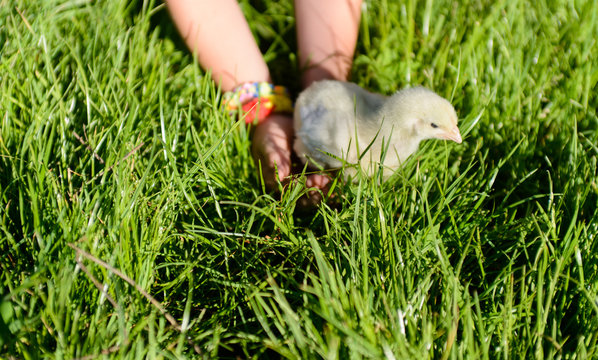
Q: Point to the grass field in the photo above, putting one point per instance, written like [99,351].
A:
[133,225]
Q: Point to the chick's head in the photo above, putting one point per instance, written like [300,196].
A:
[429,115]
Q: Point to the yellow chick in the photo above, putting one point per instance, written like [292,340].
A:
[344,120]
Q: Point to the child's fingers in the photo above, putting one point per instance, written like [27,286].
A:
[319,181]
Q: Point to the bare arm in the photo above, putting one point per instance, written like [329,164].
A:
[217,33]
[326,34]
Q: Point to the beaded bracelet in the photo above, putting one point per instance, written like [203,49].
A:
[256,100]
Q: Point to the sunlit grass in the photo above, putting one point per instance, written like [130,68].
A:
[133,224]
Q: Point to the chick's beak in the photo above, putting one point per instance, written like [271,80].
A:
[454,135]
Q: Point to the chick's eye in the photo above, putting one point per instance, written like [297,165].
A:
[433,125]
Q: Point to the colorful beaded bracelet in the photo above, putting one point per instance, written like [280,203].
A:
[256,100]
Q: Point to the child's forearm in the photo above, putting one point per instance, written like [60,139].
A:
[326,35]
[218,34]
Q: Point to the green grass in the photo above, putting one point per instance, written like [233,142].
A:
[133,225]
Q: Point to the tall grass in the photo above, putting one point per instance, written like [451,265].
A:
[133,223]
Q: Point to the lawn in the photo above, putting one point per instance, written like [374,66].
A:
[133,223]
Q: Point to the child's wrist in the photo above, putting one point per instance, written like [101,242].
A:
[255,101]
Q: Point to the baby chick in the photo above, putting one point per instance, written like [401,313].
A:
[344,120]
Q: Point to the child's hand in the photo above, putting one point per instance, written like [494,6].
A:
[272,148]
